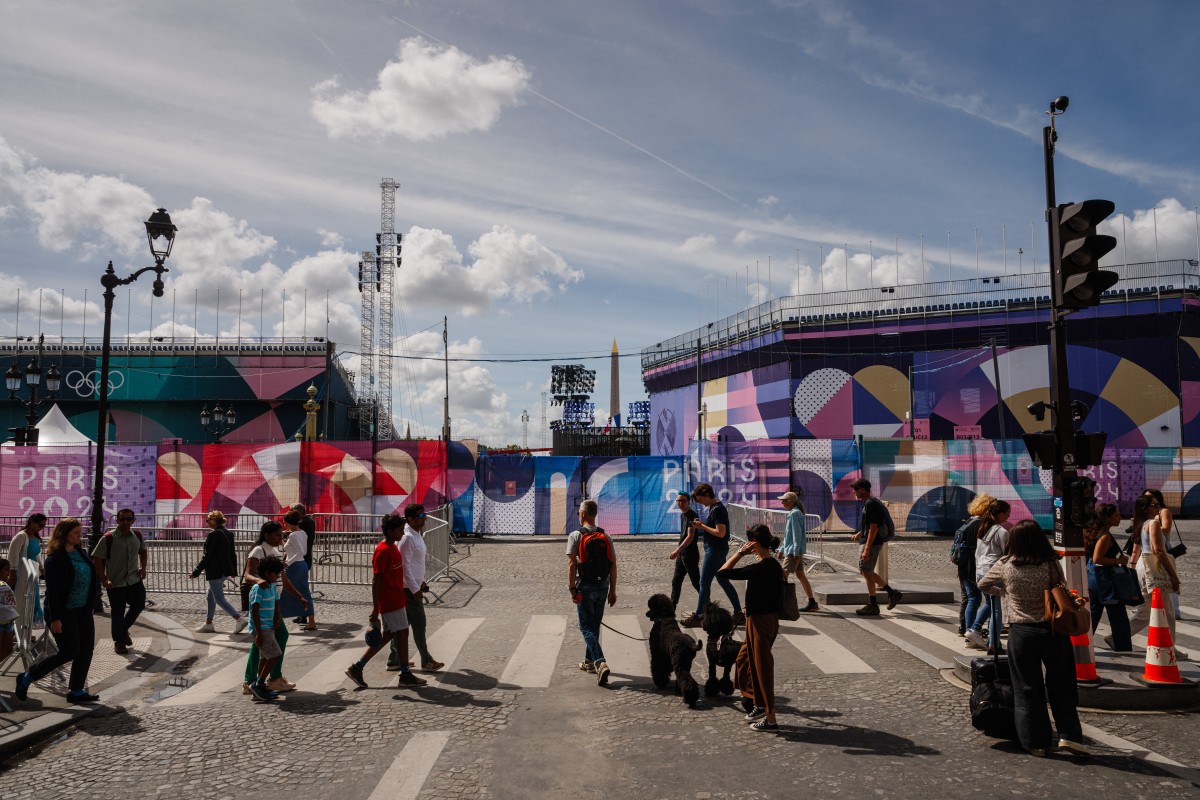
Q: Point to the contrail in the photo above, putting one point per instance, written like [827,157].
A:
[603,129]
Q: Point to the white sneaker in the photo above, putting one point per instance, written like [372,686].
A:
[975,640]
[206,628]
[240,625]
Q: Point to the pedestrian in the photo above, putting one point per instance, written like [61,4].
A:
[686,554]
[715,533]
[72,586]
[388,604]
[218,563]
[27,543]
[120,558]
[270,537]
[992,544]
[309,526]
[795,545]
[971,599]
[591,576]
[1021,576]
[8,611]
[875,529]
[1103,557]
[264,621]
[1155,566]
[297,573]
[1167,521]
[764,581]
[412,548]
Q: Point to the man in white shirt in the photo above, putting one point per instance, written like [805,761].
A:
[412,547]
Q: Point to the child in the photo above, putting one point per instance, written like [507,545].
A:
[264,617]
[8,611]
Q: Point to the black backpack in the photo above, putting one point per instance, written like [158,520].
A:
[965,541]
[595,555]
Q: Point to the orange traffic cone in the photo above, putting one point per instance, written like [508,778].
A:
[1161,666]
[1085,659]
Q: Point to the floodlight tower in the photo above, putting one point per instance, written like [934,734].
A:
[367,287]
[525,430]
[387,250]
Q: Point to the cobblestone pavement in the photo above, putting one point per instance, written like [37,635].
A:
[900,730]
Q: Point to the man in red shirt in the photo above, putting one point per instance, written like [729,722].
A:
[387,602]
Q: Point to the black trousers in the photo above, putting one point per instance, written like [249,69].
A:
[686,563]
[1032,646]
[75,645]
[126,605]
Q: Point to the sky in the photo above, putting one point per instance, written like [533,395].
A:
[569,173]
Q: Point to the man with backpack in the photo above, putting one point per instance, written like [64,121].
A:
[875,530]
[591,577]
[120,561]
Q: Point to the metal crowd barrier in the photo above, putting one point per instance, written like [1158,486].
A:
[743,517]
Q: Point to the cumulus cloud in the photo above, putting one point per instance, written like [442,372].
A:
[330,238]
[743,238]
[697,244]
[1168,230]
[427,91]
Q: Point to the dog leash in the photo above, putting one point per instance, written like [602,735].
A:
[626,635]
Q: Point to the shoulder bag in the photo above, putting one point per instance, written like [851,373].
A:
[1125,586]
[1066,614]
[789,607]
[1177,550]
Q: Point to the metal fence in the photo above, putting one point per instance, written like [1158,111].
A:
[741,518]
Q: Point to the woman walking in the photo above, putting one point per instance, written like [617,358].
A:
[1155,566]
[1104,556]
[72,589]
[27,543]
[270,537]
[1021,577]
[764,581]
[294,550]
[218,563]
[1167,520]
[993,541]
[715,531]
[967,579]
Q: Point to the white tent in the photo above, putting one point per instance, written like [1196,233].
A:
[55,429]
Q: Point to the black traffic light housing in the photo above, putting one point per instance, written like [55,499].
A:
[1078,280]
[1082,500]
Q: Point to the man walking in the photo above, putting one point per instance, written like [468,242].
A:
[591,576]
[687,554]
[875,529]
[120,560]
[412,548]
[388,603]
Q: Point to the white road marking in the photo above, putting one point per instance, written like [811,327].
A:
[823,650]
[627,659]
[406,776]
[533,662]
[447,642]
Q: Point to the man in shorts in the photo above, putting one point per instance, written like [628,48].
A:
[387,604]
[876,529]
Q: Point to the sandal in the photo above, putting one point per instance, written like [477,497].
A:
[312,626]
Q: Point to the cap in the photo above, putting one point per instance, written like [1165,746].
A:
[790,497]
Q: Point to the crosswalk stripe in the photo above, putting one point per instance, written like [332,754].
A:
[533,661]
[878,627]
[411,767]
[628,659]
[932,631]
[226,680]
[446,643]
[330,673]
[823,651]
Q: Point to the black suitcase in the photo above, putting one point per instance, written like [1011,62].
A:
[992,698]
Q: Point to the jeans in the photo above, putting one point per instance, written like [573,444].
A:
[1118,621]
[127,603]
[972,598]
[591,613]
[991,610]
[216,597]
[714,559]
[75,646]
[1032,646]
[687,564]
[281,636]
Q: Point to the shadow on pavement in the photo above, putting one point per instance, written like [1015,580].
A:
[311,703]
[477,681]
[854,740]
[449,698]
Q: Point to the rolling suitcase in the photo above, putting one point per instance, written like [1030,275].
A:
[992,698]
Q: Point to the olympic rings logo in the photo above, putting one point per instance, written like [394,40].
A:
[85,384]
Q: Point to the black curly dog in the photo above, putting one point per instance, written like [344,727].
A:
[721,649]
[671,650]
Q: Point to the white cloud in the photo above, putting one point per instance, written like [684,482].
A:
[697,244]
[744,237]
[330,238]
[1169,229]
[428,91]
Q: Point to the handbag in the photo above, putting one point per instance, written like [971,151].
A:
[1154,574]
[1177,550]
[1125,587]
[1065,613]
[789,606]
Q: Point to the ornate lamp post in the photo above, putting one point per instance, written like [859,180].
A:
[225,420]
[160,233]
[32,377]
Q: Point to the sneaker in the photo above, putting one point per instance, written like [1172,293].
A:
[261,693]
[602,673]
[280,685]
[432,665]
[23,683]
[393,667]
[120,649]
[975,640]
[410,679]
[128,640]
[763,725]
[81,696]
[747,705]
[354,673]
[587,666]
[869,610]
[240,625]
[206,628]
[812,606]
[246,688]
[1076,748]
[894,597]
[690,621]
[758,712]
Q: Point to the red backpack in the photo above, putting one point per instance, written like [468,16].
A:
[595,554]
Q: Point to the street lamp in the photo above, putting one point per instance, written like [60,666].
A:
[160,233]
[32,377]
[226,420]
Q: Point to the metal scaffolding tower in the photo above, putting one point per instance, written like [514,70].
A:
[525,430]
[367,286]
[388,250]
[545,426]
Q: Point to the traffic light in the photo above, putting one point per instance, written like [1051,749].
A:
[1078,280]
[1082,503]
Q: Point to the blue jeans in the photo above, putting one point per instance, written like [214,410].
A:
[591,613]
[714,559]
[991,610]
[970,590]
[216,597]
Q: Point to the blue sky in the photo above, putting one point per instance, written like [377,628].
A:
[569,172]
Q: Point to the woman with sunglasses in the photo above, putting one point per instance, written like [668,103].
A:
[1167,520]
[1149,540]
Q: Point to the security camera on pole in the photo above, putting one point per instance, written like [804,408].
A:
[1076,282]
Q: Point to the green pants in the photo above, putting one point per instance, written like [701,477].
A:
[281,636]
